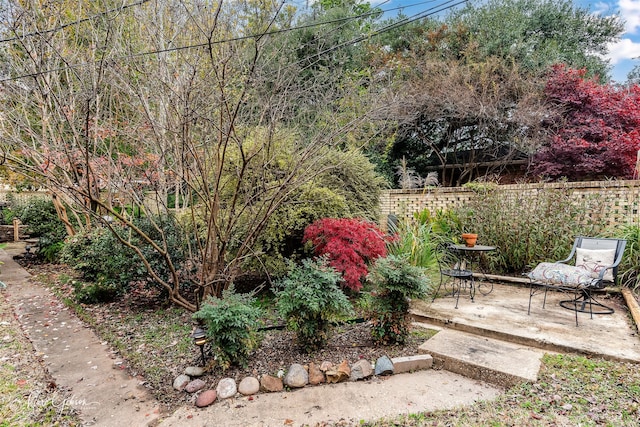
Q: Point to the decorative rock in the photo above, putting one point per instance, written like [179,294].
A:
[296,376]
[249,386]
[194,386]
[315,374]
[326,366]
[226,388]
[181,382]
[339,374]
[344,368]
[333,376]
[384,366]
[269,383]
[194,371]
[361,369]
[206,398]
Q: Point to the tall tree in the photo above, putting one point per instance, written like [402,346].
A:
[471,99]
[539,33]
[169,98]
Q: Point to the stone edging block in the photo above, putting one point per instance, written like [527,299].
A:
[412,363]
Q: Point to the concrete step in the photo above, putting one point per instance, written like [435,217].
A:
[486,359]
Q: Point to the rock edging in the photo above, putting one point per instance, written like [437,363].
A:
[297,376]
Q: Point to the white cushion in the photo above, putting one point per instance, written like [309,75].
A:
[554,273]
[595,260]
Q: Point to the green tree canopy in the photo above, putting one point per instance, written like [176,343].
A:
[468,94]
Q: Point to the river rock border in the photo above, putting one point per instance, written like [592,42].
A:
[297,376]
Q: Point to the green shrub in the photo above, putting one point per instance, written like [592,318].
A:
[232,325]
[101,257]
[309,299]
[41,218]
[446,225]
[415,241]
[629,268]
[395,281]
[349,188]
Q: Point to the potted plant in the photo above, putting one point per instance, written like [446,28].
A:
[470,239]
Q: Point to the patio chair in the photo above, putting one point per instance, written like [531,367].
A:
[453,270]
[595,266]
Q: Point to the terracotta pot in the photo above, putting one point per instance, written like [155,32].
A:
[470,239]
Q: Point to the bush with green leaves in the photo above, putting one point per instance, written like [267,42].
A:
[101,258]
[417,242]
[350,187]
[395,282]
[629,268]
[309,299]
[231,324]
[42,221]
[104,261]
[95,292]
[529,227]
[444,224]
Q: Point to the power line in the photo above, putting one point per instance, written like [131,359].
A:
[397,24]
[141,2]
[70,24]
[392,26]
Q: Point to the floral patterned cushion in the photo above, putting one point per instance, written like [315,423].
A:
[594,261]
[553,273]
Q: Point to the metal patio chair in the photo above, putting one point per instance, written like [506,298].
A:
[453,272]
[594,266]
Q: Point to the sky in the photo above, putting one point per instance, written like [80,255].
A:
[623,55]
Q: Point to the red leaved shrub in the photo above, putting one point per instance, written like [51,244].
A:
[349,244]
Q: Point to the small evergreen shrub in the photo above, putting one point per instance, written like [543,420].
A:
[99,257]
[349,244]
[309,299]
[231,323]
[395,281]
[42,221]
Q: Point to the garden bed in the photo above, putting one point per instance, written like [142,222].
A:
[152,340]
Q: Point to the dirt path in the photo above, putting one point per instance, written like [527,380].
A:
[78,361]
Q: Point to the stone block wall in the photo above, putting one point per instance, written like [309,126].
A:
[622,198]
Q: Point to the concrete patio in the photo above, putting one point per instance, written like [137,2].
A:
[502,315]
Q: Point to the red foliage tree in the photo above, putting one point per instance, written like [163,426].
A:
[349,244]
[600,135]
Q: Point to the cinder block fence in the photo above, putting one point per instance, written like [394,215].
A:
[620,197]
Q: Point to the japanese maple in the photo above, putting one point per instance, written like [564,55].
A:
[599,136]
[349,244]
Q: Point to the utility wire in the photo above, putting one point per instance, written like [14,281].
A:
[397,24]
[141,2]
[392,26]
[70,24]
